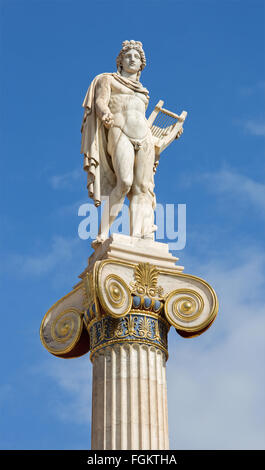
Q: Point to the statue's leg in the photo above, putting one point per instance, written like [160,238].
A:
[141,215]
[142,201]
[122,153]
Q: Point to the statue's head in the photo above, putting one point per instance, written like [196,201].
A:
[131,55]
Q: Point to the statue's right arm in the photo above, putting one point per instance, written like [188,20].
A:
[102,97]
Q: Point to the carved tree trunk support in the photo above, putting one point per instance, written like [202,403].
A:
[129,296]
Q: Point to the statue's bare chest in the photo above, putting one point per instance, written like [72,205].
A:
[122,98]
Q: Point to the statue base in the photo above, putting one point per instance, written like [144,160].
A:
[125,248]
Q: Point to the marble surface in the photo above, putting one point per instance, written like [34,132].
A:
[129,403]
[123,247]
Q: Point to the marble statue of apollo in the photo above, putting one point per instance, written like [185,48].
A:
[118,145]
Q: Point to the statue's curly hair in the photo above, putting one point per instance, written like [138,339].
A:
[126,46]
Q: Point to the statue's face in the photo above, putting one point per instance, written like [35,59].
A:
[131,61]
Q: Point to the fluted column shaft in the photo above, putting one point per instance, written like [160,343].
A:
[129,402]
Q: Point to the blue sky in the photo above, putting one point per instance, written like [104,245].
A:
[206,57]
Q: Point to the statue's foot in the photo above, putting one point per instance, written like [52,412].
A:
[150,235]
[98,241]
[136,235]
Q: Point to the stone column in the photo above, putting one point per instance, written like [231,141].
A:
[129,401]
[129,397]
[129,296]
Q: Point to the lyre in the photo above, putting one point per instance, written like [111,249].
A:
[165,127]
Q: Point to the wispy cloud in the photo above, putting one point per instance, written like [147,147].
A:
[71,209]
[250,90]
[73,377]
[255,127]
[60,261]
[67,180]
[232,182]
[41,263]
[216,382]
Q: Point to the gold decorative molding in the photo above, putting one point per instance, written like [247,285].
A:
[115,296]
[89,290]
[146,276]
[123,291]
[134,327]
[63,333]
[185,309]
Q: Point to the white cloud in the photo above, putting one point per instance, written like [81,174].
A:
[216,381]
[70,209]
[235,184]
[232,184]
[255,127]
[73,378]
[67,180]
[250,90]
[59,262]
[62,250]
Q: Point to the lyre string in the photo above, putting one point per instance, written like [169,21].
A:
[162,122]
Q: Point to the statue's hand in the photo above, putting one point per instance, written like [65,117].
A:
[108,120]
[180,132]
